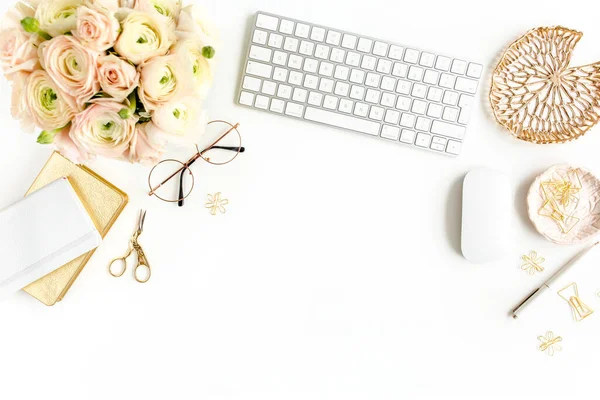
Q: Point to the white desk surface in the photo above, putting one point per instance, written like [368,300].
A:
[336,273]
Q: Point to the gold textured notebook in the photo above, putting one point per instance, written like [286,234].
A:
[103,201]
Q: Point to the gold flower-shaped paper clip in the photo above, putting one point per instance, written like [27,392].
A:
[216,203]
[549,343]
[570,294]
[537,96]
[533,263]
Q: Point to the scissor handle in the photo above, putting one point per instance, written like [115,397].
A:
[136,275]
[123,263]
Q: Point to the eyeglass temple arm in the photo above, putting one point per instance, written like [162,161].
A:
[181,189]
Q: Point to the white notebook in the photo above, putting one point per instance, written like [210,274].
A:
[41,233]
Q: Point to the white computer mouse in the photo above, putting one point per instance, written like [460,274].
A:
[486,216]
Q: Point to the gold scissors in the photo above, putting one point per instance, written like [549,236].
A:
[142,262]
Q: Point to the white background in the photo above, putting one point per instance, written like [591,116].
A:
[336,272]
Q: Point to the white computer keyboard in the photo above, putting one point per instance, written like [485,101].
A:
[329,76]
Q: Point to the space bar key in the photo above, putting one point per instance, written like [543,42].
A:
[342,121]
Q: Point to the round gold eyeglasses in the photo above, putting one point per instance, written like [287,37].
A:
[173,181]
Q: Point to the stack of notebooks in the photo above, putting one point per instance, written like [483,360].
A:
[102,201]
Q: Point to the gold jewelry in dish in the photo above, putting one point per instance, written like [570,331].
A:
[570,294]
[549,343]
[537,96]
[561,200]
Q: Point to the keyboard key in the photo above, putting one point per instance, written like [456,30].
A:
[346,106]
[364,45]
[434,110]
[260,53]
[259,69]
[302,30]
[326,69]
[415,73]
[407,120]
[419,107]
[315,99]
[427,59]
[251,83]
[284,91]
[353,59]
[299,95]
[267,22]
[333,38]
[390,132]
[269,88]
[291,44]
[349,41]
[279,58]
[380,49]
[306,48]
[408,136]
[372,96]
[466,100]
[261,102]
[322,51]
[419,90]
[447,81]
[411,56]
[361,109]
[403,87]
[423,124]
[474,70]
[295,110]
[295,78]
[373,80]
[448,130]
[450,114]
[341,72]
[388,100]
[357,76]
[342,89]
[459,67]
[442,63]
[400,70]
[466,85]
[295,61]
[310,65]
[450,98]
[330,102]
[311,81]
[431,77]
[247,98]
[396,52]
[275,40]
[465,114]
[260,37]
[317,34]
[376,113]
[277,105]
[342,121]
[326,85]
[388,83]
[435,94]
[357,92]
[280,74]
[403,103]
[392,117]
[423,139]
[384,66]
[337,55]
[286,27]
[437,146]
[453,147]
[368,62]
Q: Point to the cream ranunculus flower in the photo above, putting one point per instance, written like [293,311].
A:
[167,10]
[164,79]
[190,53]
[18,51]
[58,17]
[46,104]
[179,122]
[194,24]
[144,36]
[99,130]
[110,5]
[97,29]
[19,109]
[72,67]
[117,77]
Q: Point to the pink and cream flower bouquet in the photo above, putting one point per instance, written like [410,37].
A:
[113,78]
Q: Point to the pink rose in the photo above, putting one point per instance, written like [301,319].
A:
[18,51]
[144,148]
[19,109]
[99,130]
[72,67]
[67,147]
[97,29]
[117,77]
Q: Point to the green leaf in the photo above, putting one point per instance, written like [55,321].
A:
[30,24]
[47,137]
